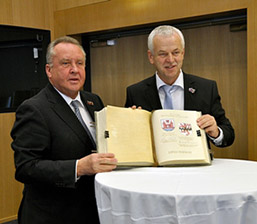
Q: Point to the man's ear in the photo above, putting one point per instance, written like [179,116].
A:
[150,56]
[183,53]
[48,70]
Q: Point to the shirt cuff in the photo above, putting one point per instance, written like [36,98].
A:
[218,141]
[76,177]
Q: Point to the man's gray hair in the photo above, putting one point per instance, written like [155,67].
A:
[164,30]
[65,39]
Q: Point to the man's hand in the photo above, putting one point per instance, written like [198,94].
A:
[208,123]
[96,163]
[135,107]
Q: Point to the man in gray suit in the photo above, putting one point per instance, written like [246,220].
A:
[53,141]
[166,48]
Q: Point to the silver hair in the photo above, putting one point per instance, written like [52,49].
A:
[65,39]
[164,30]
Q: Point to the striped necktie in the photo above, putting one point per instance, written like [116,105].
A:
[75,105]
[168,100]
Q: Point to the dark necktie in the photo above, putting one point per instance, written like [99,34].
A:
[75,105]
[168,100]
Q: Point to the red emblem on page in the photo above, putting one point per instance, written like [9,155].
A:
[185,129]
[167,124]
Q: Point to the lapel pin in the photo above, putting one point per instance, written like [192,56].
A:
[191,90]
[90,103]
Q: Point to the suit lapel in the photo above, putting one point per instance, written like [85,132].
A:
[190,89]
[63,110]
[152,95]
[89,103]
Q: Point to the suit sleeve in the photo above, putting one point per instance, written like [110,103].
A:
[32,150]
[222,121]
[129,102]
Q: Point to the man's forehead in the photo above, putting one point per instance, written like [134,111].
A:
[164,41]
[66,47]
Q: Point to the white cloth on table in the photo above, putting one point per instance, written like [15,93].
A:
[225,192]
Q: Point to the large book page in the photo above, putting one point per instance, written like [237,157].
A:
[100,125]
[178,139]
[129,135]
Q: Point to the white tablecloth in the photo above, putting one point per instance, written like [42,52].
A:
[223,193]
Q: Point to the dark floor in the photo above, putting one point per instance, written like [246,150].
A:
[11,222]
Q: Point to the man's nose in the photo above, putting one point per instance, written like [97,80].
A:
[74,67]
[170,57]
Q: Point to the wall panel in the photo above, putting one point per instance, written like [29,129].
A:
[252,79]
[115,13]
[34,14]
[67,4]
[10,193]
[114,68]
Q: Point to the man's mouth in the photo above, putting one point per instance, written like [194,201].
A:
[170,66]
[74,80]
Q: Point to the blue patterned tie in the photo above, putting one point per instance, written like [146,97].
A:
[168,100]
[75,105]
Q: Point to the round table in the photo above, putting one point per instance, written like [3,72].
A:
[222,193]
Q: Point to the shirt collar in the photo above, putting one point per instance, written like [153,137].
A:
[179,81]
[68,99]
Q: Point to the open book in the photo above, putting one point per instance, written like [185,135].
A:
[159,138]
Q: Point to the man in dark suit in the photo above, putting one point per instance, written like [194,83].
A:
[185,92]
[53,150]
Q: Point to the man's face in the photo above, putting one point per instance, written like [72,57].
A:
[67,73]
[167,57]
